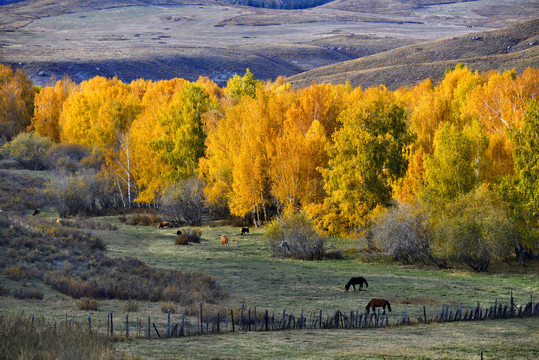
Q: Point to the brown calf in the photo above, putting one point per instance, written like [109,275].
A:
[224,240]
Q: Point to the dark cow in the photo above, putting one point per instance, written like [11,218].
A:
[164,224]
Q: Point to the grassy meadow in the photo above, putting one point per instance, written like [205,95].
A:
[254,279]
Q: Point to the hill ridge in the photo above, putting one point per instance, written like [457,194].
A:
[518,42]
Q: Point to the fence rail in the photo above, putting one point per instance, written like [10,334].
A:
[248,319]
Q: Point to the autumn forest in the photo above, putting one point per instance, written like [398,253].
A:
[456,163]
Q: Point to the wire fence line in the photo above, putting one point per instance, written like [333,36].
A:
[251,319]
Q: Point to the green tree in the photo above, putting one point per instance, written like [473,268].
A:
[182,143]
[450,170]
[474,229]
[521,191]
[245,85]
[369,154]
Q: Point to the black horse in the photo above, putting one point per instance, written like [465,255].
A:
[357,281]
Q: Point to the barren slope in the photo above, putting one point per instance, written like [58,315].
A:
[184,38]
[516,46]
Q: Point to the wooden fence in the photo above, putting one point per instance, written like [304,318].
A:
[248,319]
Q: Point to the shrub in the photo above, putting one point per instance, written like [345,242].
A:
[67,157]
[29,150]
[405,233]
[20,192]
[131,306]
[140,219]
[475,230]
[188,236]
[293,236]
[88,304]
[184,202]
[27,293]
[16,273]
[165,307]
[70,194]
[181,240]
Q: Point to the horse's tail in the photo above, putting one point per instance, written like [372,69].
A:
[388,306]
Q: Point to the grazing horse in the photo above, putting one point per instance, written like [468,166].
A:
[36,211]
[244,230]
[374,303]
[224,240]
[356,281]
[163,224]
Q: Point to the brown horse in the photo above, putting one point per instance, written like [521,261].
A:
[224,240]
[374,303]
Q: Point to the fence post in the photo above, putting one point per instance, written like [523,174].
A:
[201,320]
[218,320]
[232,319]
[495,307]
[149,327]
[226,317]
[266,320]
[320,319]
[89,322]
[249,324]
[183,324]
[404,316]
[111,326]
[168,323]
[126,326]
[425,313]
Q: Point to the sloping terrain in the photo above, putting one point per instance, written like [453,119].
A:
[162,39]
[513,47]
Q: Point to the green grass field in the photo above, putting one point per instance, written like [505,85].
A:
[254,279]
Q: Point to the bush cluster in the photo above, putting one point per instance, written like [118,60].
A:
[140,219]
[88,304]
[18,193]
[188,236]
[74,263]
[165,307]
[294,236]
[28,149]
[131,306]
[88,224]
[28,293]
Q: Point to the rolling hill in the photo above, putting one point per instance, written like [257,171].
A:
[162,39]
[514,47]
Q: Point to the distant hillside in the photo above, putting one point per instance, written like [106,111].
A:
[516,46]
[163,39]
